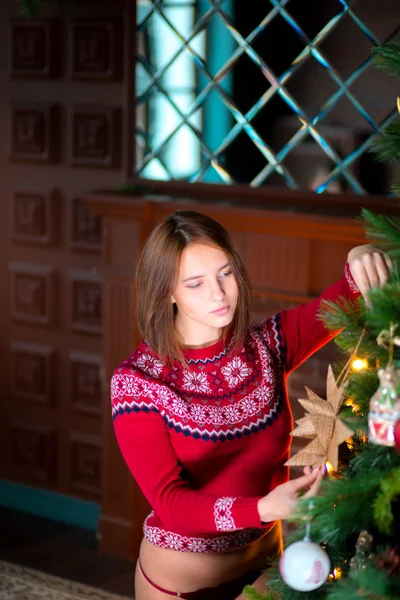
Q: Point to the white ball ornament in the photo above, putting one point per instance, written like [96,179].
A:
[304,566]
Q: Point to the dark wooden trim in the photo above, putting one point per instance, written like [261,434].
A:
[269,197]
[237,217]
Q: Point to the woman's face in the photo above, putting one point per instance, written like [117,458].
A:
[206,294]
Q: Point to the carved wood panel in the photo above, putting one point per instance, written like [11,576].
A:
[34,452]
[32,293]
[35,48]
[86,302]
[33,217]
[86,227]
[96,49]
[32,372]
[86,377]
[35,134]
[85,464]
[96,137]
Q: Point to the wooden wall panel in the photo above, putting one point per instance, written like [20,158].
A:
[33,372]
[85,465]
[64,114]
[33,452]
[277,263]
[86,382]
[96,49]
[35,49]
[33,217]
[33,293]
[35,132]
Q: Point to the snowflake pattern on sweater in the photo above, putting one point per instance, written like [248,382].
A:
[207,440]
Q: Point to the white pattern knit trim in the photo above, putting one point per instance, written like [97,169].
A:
[219,544]
[349,279]
[223,514]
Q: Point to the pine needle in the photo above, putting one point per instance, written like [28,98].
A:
[384,231]
[387,57]
[386,147]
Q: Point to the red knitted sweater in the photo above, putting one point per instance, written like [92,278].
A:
[206,443]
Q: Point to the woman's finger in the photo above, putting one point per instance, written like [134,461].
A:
[388,261]
[304,481]
[371,270]
[314,489]
[360,276]
[381,267]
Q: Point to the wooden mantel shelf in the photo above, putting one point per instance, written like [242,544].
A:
[235,216]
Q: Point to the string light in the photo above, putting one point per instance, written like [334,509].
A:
[359,364]
[336,574]
[350,403]
[329,467]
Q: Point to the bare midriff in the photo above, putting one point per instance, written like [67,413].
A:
[190,571]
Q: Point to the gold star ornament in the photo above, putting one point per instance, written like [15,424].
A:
[322,425]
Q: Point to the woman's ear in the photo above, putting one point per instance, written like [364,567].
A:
[173,301]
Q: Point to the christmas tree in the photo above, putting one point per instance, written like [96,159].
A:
[355,519]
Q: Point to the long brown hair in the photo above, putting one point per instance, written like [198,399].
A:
[157,272]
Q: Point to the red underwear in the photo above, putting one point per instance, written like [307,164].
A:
[226,591]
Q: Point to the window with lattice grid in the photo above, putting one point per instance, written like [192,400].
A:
[279,93]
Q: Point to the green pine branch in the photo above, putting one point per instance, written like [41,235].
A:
[381,459]
[389,491]
[384,231]
[343,508]
[387,57]
[368,584]
[386,147]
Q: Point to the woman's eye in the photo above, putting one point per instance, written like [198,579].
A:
[226,274]
[196,285]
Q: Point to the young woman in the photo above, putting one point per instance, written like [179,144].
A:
[201,412]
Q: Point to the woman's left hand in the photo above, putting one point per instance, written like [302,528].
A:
[369,267]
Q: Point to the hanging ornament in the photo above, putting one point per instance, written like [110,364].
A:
[304,565]
[384,408]
[363,557]
[396,434]
[322,425]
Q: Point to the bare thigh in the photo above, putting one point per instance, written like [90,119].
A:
[144,590]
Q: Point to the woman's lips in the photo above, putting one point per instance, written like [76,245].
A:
[221,311]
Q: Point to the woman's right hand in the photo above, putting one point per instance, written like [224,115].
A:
[280,503]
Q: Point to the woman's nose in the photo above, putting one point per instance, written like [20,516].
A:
[217,291]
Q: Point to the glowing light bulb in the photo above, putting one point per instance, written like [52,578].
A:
[359,364]
[329,467]
[337,573]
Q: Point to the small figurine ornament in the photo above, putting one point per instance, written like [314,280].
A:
[397,435]
[363,557]
[384,408]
